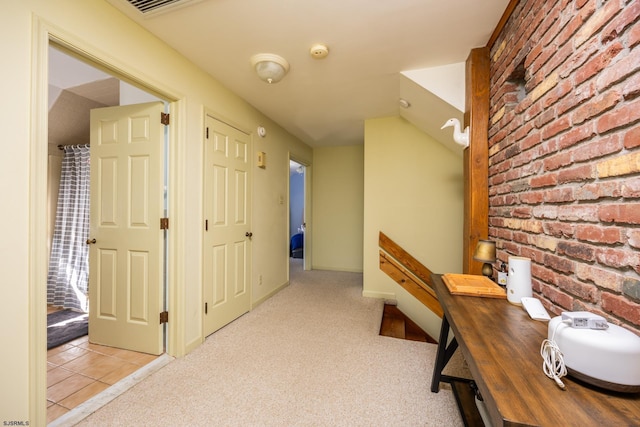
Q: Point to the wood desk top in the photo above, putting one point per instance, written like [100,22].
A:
[501,345]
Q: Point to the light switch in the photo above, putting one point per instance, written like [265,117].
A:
[262,159]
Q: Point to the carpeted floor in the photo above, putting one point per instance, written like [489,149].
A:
[309,356]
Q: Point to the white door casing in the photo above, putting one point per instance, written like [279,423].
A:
[227,228]
[126,259]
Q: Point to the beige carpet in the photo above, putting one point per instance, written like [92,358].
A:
[309,356]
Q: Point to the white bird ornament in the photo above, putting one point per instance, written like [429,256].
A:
[459,137]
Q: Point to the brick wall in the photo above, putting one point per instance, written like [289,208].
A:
[564,152]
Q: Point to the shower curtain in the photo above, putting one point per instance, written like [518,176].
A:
[68,278]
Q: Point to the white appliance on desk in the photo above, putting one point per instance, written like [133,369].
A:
[607,357]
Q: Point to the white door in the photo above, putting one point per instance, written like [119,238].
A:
[127,189]
[227,235]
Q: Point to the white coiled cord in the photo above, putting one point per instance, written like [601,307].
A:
[553,362]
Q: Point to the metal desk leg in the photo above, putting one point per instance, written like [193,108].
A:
[444,354]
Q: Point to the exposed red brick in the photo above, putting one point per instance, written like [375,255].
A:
[598,190]
[619,117]
[559,263]
[632,138]
[631,87]
[619,70]
[545,212]
[618,258]
[565,165]
[558,126]
[633,237]
[598,234]
[598,63]
[559,195]
[598,147]
[577,134]
[559,229]
[576,174]
[634,35]
[628,213]
[621,307]
[597,21]
[600,277]
[580,251]
[546,180]
[617,26]
[596,106]
[579,96]
[558,297]
[582,290]
[559,160]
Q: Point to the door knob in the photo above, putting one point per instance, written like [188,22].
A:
[91,241]
[248,234]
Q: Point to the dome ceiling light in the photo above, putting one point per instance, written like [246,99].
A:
[269,67]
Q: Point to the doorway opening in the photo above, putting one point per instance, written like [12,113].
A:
[298,243]
[75,88]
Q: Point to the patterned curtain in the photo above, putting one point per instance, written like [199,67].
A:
[68,278]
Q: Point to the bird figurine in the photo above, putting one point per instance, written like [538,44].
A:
[459,137]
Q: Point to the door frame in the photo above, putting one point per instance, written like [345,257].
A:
[45,34]
[306,244]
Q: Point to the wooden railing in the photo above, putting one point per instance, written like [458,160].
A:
[408,272]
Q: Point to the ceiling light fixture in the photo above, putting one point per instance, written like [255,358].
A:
[269,67]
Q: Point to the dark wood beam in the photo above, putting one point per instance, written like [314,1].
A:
[476,157]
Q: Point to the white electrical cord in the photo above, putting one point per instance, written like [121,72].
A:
[553,362]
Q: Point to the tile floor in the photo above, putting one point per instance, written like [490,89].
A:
[78,370]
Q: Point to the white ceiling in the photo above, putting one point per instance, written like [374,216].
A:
[324,102]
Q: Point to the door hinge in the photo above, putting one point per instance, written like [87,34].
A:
[206,307]
[164,317]
[164,118]
[207,136]
[164,223]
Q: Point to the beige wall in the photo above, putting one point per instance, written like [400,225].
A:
[337,211]
[89,26]
[414,194]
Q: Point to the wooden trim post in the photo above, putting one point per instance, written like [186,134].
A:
[476,157]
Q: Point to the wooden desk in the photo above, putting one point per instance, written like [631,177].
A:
[501,345]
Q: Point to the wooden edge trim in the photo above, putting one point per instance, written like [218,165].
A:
[503,21]
[405,259]
[411,284]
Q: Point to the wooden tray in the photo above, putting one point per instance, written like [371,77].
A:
[472,285]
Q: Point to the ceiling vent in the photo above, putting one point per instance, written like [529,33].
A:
[148,6]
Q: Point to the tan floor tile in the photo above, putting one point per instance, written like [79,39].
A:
[122,371]
[56,375]
[139,359]
[83,395]
[58,349]
[93,365]
[67,387]
[55,412]
[67,355]
[102,349]
[79,341]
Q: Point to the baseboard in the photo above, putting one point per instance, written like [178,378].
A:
[256,303]
[387,296]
